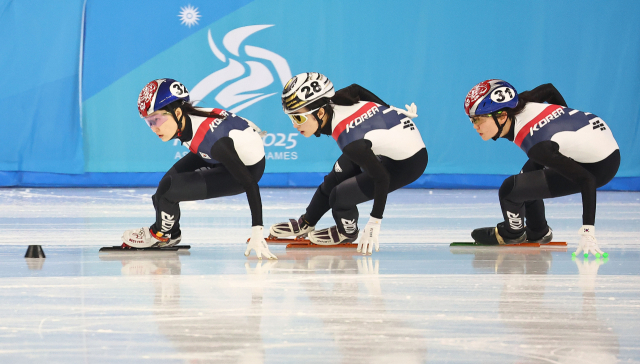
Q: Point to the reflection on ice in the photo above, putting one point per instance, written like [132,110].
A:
[361,333]
[319,306]
[415,301]
[544,330]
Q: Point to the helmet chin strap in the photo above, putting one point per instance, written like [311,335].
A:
[315,115]
[178,121]
[500,127]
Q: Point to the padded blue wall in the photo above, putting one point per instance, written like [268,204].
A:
[39,79]
[238,53]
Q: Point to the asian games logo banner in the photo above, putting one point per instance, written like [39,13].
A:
[240,83]
[241,94]
[237,96]
[237,62]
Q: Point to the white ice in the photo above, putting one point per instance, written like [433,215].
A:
[416,301]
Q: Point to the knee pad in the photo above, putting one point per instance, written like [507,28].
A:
[169,194]
[342,202]
[339,202]
[507,187]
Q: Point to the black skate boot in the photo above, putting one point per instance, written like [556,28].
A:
[534,237]
[492,236]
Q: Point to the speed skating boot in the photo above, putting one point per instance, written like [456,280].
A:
[331,236]
[295,228]
[146,238]
[545,239]
[491,236]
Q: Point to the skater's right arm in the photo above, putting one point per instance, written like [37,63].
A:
[547,153]
[544,93]
[359,151]
[224,151]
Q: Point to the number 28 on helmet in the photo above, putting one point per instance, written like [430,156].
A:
[303,90]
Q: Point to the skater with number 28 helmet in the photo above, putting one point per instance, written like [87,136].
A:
[382,150]
[227,158]
[569,151]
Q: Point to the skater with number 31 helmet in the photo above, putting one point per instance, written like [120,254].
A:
[569,151]
[382,150]
[227,158]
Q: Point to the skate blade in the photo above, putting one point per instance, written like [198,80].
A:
[120,249]
[555,243]
[524,245]
[488,249]
[306,244]
[558,244]
[274,240]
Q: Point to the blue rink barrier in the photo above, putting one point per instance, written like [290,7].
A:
[282,180]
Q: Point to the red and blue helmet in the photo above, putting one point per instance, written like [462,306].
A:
[490,96]
[160,93]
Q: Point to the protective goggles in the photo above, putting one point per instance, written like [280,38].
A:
[299,119]
[157,119]
[476,120]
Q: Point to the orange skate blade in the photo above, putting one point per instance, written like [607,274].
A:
[558,246]
[274,240]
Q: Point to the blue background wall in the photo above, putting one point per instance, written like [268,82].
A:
[239,53]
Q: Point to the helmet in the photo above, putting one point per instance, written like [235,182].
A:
[160,93]
[489,96]
[304,89]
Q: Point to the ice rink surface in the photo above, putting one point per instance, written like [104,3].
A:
[416,301]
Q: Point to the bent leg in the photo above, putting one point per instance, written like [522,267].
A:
[208,181]
[344,200]
[521,195]
[342,170]
[536,222]
[219,181]
[347,195]
[180,179]
[603,171]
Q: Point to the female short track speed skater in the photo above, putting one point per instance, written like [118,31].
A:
[382,150]
[569,151]
[227,158]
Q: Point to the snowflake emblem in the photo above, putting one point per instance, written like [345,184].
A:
[189,15]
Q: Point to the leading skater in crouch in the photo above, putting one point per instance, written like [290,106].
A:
[227,158]
[569,151]
[382,150]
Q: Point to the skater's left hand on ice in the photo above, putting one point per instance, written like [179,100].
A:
[369,236]
[588,242]
[258,244]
